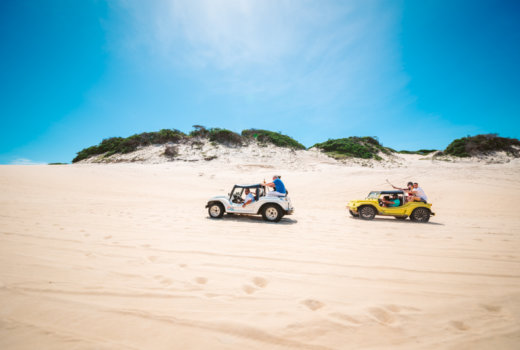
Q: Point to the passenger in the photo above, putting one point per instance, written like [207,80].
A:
[393,202]
[250,198]
[418,194]
[279,187]
[408,190]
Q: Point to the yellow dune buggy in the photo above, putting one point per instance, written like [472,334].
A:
[374,204]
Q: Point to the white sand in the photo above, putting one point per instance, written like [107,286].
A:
[124,256]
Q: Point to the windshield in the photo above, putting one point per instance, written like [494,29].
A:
[373,194]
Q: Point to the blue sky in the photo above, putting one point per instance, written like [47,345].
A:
[417,74]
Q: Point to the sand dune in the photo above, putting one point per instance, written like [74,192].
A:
[124,256]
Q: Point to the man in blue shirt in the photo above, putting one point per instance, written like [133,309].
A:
[279,187]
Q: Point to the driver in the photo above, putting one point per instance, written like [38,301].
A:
[393,202]
[249,198]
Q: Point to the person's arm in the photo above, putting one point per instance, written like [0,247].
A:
[270,184]
[248,200]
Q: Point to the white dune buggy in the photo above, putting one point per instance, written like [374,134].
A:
[272,208]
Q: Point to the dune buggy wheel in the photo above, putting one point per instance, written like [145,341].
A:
[272,213]
[367,212]
[353,214]
[420,215]
[216,210]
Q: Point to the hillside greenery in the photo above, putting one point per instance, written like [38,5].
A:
[114,145]
[421,152]
[358,147]
[275,138]
[129,144]
[483,145]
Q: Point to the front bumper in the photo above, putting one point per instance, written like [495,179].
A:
[290,211]
[352,209]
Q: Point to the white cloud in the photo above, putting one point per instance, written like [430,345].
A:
[309,53]
[25,161]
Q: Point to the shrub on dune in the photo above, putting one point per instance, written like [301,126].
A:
[275,138]
[224,136]
[357,147]
[129,144]
[483,145]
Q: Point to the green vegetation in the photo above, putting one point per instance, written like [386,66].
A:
[57,163]
[482,145]
[115,145]
[421,152]
[358,147]
[275,138]
[224,136]
[217,135]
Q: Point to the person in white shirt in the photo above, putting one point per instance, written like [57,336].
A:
[249,198]
[418,194]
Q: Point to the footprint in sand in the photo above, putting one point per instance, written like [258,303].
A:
[381,315]
[260,282]
[152,258]
[313,304]
[201,280]
[248,289]
[107,237]
[145,246]
[491,308]
[459,325]
[182,265]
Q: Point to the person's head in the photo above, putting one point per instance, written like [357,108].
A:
[415,185]
[276,177]
[410,184]
[394,196]
[247,191]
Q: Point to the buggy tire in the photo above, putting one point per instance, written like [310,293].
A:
[353,214]
[420,215]
[272,213]
[367,212]
[216,210]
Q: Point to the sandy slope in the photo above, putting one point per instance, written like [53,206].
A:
[124,256]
